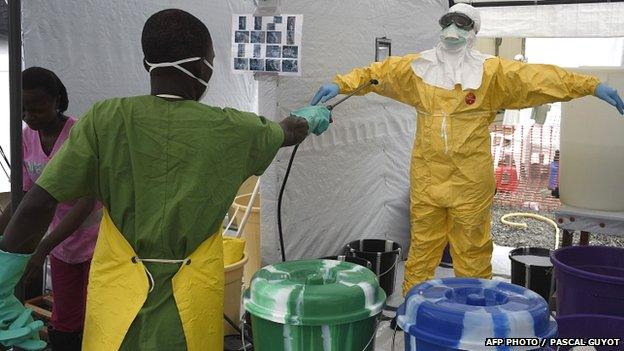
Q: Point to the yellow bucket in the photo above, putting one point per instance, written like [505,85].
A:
[234,261]
[233,292]
[251,234]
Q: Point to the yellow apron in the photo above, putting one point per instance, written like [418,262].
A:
[119,284]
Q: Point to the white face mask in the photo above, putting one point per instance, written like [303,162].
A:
[177,64]
[454,38]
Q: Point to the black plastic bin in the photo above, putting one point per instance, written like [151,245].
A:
[536,275]
[382,254]
[357,260]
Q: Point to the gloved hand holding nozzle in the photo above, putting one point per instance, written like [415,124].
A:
[318,118]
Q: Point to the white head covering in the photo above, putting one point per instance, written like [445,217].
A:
[445,67]
[469,11]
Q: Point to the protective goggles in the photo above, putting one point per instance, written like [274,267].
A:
[459,19]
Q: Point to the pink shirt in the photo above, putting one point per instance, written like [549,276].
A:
[80,245]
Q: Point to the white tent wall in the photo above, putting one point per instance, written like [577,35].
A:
[95,47]
[5,135]
[350,183]
[553,21]
[353,181]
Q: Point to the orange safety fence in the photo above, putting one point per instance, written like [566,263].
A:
[523,157]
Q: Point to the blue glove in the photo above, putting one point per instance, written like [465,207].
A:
[17,327]
[610,95]
[326,92]
[317,117]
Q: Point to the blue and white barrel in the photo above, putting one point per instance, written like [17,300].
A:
[462,313]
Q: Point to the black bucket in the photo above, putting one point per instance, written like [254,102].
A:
[357,260]
[384,256]
[447,260]
[532,269]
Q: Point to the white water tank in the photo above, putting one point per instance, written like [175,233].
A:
[591,174]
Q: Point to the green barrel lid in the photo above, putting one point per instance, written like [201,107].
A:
[314,292]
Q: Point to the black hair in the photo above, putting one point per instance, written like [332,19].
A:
[171,35]
[48,82]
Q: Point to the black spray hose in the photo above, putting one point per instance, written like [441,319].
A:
[290,162]
[279,203]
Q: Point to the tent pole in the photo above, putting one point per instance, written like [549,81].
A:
[15,92]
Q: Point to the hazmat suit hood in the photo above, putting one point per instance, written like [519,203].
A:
[453,60]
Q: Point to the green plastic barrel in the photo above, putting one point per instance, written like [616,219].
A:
[314,305]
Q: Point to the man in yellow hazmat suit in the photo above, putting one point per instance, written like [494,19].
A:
[456,92]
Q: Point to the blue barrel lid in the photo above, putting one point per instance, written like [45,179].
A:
[459,313]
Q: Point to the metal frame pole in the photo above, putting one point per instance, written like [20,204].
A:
[15,92]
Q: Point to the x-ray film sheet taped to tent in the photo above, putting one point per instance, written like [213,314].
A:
[267,44]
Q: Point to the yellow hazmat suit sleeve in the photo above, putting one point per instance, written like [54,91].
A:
[393,75]
[522,85]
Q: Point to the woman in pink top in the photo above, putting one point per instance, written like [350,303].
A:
[73,231]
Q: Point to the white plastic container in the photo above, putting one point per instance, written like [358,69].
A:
[591,174]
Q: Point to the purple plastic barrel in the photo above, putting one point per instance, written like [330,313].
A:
[590,280]
[553,177]
[594,326]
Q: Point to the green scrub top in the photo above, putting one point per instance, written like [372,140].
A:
[167,171]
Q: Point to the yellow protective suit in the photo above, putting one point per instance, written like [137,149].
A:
[452,176]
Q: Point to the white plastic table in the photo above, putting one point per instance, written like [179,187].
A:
[571,219]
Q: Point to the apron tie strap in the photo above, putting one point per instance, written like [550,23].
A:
[136,259]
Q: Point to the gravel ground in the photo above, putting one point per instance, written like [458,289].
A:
[538,234]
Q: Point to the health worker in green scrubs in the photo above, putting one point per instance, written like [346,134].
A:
[166,168]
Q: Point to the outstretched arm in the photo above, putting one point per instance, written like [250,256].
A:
[68,225]
[524,85]
[30,222]
[392,75]
[71,174]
